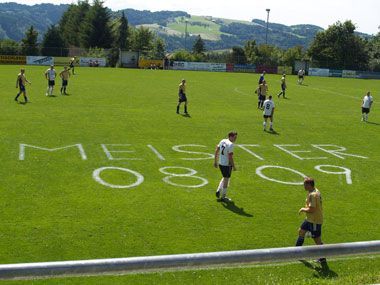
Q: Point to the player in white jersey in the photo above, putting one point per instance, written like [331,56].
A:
[366,106]
[301,74]
[268,113]
[50,76]
[224,158]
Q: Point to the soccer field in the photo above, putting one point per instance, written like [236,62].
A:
[65,160]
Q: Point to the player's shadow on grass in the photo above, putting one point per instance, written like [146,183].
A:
[273,133]
[320,271]
[373,123]
[235,209]
[186,116]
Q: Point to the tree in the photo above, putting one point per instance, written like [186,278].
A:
[72,20]
[53,44]
[374,53]
[339,47]
[291,55]
[159,49]
[96,29]
[268,55]
[122,33]
[237,56]
[199,46]
[29,42]
[250,49]
[143,40]
[9,47]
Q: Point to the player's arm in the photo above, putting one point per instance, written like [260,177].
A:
[307,210]
[27,81]
[216,156]
[46,75]
[18,78]
[231,160]
[311,206]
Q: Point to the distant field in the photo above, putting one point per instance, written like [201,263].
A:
[53,208]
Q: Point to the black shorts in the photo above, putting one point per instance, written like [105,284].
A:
[226,170]
[314,229]
[64,82]
[300,76]
[283,87]
[267,116]
[51,83]
[365,110]
[262,97]
[182,97]
[22,88]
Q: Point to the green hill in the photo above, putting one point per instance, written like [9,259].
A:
[218,33]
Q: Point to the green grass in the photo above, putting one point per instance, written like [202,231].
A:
[52,209]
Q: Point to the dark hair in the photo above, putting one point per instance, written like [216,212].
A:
[309,180]
[232,134]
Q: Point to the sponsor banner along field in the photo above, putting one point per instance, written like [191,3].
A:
[112,171]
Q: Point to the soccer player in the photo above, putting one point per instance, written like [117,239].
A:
[314,215]
[268,113]
[50,75]
[262,93]
[182,96]
[261,79]
[301,74]
[283,86]
[20,83]
[72,63]
[224,158]
[65,75]
[366,106]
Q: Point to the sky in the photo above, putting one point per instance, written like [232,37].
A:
[365,14]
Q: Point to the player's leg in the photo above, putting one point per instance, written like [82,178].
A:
[178,105]
[271,123]
[220,187]
[302,232]
[185,107]
[18,95]
[48,89]
[316,234]
[25,97]
[51,87]
[366,115]
[265,123]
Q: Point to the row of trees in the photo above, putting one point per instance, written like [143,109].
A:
[337,47]
[90,26]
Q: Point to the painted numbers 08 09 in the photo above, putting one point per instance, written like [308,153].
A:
[190,173]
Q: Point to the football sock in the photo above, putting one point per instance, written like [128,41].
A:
[220,185]
[366,117]
[264,125]
[224,192]
[177,109]
[25,98]
[271,125]
[17,96]
[300,241]
[185,109]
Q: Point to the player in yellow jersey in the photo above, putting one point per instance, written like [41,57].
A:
[182,96]
[314,215]
[65,75]
[20,83]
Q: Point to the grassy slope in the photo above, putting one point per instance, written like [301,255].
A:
[51,208]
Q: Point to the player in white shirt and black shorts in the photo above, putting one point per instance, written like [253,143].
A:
[366,106]
[224,159]
[268,113]
[50,75]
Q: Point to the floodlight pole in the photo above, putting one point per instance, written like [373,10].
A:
[186,21]
[266,34]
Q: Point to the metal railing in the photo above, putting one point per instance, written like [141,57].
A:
[156,263]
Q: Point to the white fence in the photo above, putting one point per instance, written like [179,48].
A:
[156,263]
